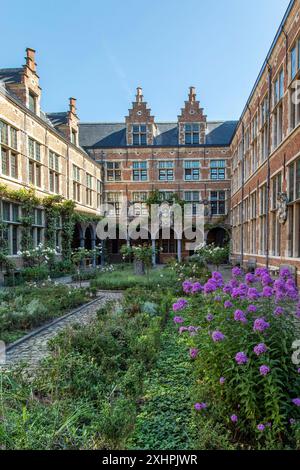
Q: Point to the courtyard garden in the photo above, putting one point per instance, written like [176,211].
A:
[186,360]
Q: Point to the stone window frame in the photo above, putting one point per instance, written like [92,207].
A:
[113,171]
[9,147]
[139,134]
[217,166]
[191,129]
[194,167]
[217,201]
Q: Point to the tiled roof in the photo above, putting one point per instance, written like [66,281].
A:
[114,134]
[58,118]
[11,75]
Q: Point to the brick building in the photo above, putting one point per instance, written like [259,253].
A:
[265,187]
[189,158]
[41,151]
[248,170]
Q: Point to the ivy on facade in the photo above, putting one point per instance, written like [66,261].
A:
[55,207]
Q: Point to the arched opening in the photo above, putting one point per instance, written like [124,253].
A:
[167,247]
[77,235]
[218,236]
[88,238]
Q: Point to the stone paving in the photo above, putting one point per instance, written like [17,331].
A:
[35,348]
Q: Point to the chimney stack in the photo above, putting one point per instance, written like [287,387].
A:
[30,59]
[192,94]
[72,105]
[139,94]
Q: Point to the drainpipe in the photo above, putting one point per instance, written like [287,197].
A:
[268,164]
[243,182]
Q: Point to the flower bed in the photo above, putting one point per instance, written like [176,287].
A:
[239,337]
[25,308]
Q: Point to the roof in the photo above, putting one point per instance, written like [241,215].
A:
[11,75]
[98,135]
[58,119]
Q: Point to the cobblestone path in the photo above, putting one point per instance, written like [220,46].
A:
[35,348]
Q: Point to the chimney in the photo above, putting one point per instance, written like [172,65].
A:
[192,94]
[139,94]
[30,59]
[72,105]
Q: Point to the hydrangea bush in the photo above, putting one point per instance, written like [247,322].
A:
[239,336]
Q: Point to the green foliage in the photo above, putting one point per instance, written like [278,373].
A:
[124,278]
[25,308]
[86,394]
[213,254]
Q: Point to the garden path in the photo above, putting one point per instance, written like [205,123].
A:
[164,419]
[34,347]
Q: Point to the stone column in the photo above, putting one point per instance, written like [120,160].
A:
[179,250]
[153,253]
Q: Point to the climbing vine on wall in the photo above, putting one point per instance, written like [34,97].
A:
[54,207]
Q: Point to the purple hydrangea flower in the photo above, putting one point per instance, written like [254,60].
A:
[261,427]
[218,298]
[194,353]
[252,308]
[200,406]
[296,401]
[177,320]
[241,358]
[252,293]
[260,349]
[217,336]
[267,291]
[260,325]
[250,278]
[240,316]
[187,287]
[278,311]
[209,317]
[222,380]
[182,329]
[236,271]
[292,421]
[179,305]
[264,370]
[196,287]
[228,304]
[234,418]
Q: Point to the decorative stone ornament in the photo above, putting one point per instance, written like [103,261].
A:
[282,200]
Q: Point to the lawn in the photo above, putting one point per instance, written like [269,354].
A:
[123,277]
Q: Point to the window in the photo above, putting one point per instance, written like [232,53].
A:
[53,172]
[278,87]
[114,200]
[9,158]
[73,136]
[293,62]
[139,203]
[217,169]
[139,134]
[263,218]
[13,138]
[3,133]
[76,183]
[113,171]
[99,193]
[192,198]
[32,102]
[191,170]
[166,171]
[140,171]
[294,181]
[10,234]
[89,189]
[276,188]
[34,150]
[217,202]
[264,128]
[191,134]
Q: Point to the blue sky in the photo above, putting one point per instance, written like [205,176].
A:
[99,51]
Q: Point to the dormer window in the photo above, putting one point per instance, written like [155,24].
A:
[191,134]
[32,102]
[139,134]
[73,136]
